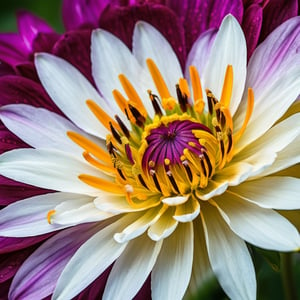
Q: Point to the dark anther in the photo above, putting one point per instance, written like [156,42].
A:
[142,181]
[140,119]
[156,182]
[210,102]
[229,136]
[129,153]
[173,182]
[222,148]
[203,168]
[182,99]
[115,133]
[123,126]
[155,100]
[208,164]
[121,174]
[111,149]
[189,172]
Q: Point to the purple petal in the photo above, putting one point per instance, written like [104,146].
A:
[44,42]
[15,89]
[38,275]
[12,48]
[8,141]
[198,16]
[30,26]
[275,13]
[9,244]
[27,69]
[74,47]
[6,69]
[252,23]
[11,262]
[121,20]
[82,13]
[4,287]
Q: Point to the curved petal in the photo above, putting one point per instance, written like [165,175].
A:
[38,275]
[174,264]
[29,217]
[90,261]
[39,127]
[150,43]
[229,48]
[69,89]
[110,58]
[49,169]
[229,257]
[274,76]
[132,269]
[261,227]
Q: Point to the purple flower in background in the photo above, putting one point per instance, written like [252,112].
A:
[190,28]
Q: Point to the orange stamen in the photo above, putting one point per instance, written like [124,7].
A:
[102,184]
[120,100]
[184,87]
[196,84]
[89,146]
[101,115]
[250,105]
[97,164]
[50,214]
[227,87]
[158,79]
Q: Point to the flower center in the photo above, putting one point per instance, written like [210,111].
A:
[174,153]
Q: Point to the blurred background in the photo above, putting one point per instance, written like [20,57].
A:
[46,9]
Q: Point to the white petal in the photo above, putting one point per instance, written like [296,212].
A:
[174,264]
[164,226]
[229,257]
[148,42]
[91,259]
[173,201]
[271,192]
[110,58]
[261,227]
[77,212]
[140,225]
[69,89]
[132,269]
[48,169]
[187,211]
[229,48]
[200,51]
[39,127]
[28,217]
[201,272]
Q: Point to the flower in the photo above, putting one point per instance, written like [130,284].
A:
[188,171]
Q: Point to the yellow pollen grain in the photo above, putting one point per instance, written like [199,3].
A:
[227,87]
[102,184]
[50,214]
[132,94]
[167,161]
[158,79]
[89,146]
[168,103]
[101,115]
[250,105]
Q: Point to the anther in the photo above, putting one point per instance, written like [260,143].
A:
[121,174]
[115,133]
[153,174]
[122,126]
[140,119]
[170,176]
[211,101]
[188,170]
[155,100]
[142,181]
[230,142]
[182,99]
[210,169]
[129,153]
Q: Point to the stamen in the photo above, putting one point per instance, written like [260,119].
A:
[158,79]
[182,99]
[120,100]
[115,133]
[97,164]
[250,105]
[155,180]
[101,115]
[102,184]
[184,87]
[123,126]
[50,214]
[139,118]
[154,101]
[121,173]
[142,181]
[210,101]
[196,83]
[168,103]
[129,153]
[89,146]
[132,94]
[227,87]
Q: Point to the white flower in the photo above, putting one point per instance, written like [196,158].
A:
[186,175]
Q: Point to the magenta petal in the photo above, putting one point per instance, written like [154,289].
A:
[38,275]
[15,89]
[6,69]
[275,13]
[4,288]
[82,13]
[121,20]
[12,48]
[252,23]
[27,69]
[44,42]
[198,16]
[30,26]
[74,47]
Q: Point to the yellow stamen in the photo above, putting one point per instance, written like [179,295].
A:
[184,87]
[97,164]
[102,184]
[132,94]
[196,83]
[120,100]
[227,87]
[101,115]
[250,105]
[50,214]
[158,79]
[228,117]
[89,146]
